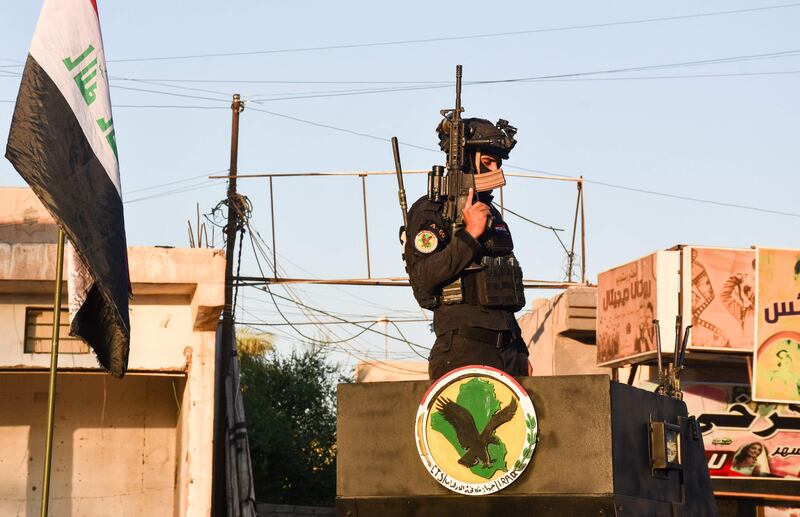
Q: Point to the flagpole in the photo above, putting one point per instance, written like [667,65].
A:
[51,399]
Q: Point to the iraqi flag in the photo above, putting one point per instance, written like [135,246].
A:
[62,143]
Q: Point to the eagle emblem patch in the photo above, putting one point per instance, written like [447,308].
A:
[426,241]
[476,430]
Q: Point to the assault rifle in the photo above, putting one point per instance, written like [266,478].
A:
[454,187]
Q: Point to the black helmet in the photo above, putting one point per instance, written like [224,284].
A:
[495,139]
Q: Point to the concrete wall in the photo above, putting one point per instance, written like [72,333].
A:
[374,371]
[114,444]
[560,333]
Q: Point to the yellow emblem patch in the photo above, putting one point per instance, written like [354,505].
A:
[476,430]
[426,241]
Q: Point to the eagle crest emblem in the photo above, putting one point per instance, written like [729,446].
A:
[476,430]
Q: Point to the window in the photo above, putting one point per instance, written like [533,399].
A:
[39,333]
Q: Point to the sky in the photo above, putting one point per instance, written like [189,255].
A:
[681,117]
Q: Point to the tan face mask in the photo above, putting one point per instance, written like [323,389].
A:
[487,181]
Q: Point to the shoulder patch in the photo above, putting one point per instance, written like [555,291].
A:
[426,241]
[500,226]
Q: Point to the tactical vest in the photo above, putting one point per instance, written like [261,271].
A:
[494,283]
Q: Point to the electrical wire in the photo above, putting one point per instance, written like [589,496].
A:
[400,315]
[540,225]
[169,183]
[694,199]
[272,296]
[554,230]
[540,78]
[397,328]
[439,85]
[181,190]
[348,322]
[300,304]
[308,338]
[360,299]
[457,37]
[267,290]
[630,78]
[172,94]
[374,137]
[429,86]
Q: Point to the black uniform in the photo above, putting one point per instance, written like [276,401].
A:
[475,331]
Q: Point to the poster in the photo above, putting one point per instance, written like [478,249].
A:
[719,298]
[776,360]
[630,297]
[743,438]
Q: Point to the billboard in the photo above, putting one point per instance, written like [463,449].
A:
[776,360]
[630,297]
[743,438]
[718,298]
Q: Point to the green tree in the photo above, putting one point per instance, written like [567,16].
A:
[290,405]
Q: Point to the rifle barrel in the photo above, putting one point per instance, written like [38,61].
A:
[401,193]
[458,89]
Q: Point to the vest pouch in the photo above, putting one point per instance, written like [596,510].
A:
[453,293]
[499,284]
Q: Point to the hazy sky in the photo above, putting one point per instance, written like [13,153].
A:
[723,130]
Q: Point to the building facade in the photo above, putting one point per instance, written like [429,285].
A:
[141,445]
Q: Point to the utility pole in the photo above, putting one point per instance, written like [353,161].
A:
[219,500]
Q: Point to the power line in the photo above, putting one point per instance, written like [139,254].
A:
[458,37]
[537,78]
[305,306]
[383,139]
[272,295]
[166,84]
[172,94]
[605,184]
[181,190]
[165,106]
[687,76]
[369,91]
[695,199]
[152,187]
[273,81]
[347,322]
[247,81]
[325,313]
[610,185]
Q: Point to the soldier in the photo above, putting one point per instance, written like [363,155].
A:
[470,279]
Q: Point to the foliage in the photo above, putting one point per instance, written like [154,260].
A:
[290,405]
[250,342]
